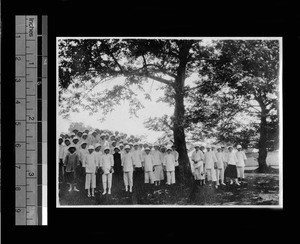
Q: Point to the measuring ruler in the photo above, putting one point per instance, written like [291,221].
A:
[30,120]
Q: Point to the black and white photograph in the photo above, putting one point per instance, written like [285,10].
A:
[169,122]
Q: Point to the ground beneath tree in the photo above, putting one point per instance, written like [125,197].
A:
[260,189]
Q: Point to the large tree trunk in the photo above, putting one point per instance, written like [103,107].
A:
[179,140]
[179,113]
[262,143]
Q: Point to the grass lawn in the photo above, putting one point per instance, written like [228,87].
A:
[260,189]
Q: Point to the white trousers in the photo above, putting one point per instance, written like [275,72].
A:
[199,175]
[170,177]
[127,176]
[240,172]
[107,181]
[90,180]
[220,175]
[211,174]
[149,176]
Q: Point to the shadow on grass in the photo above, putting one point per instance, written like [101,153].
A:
[260,189]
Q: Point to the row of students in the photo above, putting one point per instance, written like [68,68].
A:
[217,165]
[151,163]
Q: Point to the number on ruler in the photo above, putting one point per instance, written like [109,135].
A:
[18,166]
[30,117]
[18,59]
[18,145]
[18,188]
[17,102]
[31,174]
[18,80]
[18,123]
[18,210]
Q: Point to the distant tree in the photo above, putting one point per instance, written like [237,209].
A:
[79,126]
[244,82]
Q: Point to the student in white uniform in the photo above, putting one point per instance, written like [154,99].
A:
[220,164]
[158,167]
[231,171]
[211,165]
[106,165]
[169,166]
[90,163]
[148,165]
[241,157]
[127,164]
[197,158]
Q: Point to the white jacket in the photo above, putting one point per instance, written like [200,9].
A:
[241,157]
[231,158]
[169,162]
[148,162]
[106,162]
[137,157]
[209,159]
[157,157]
[198,157]
[220,159]
[127,161]
[90,163]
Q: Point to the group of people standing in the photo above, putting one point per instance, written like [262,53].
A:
[86,157]
[215,164]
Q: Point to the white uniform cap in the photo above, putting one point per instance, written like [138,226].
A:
[121,145]
[135,144]
[197,145]
[117,148]
[147,148]
[91,147]
[107,148]
[84,134]
[169,148]
[83,142]
[97,145]
[127,147]
[75,137]
[72,134]
[238,146]
[208,146]
[102,135]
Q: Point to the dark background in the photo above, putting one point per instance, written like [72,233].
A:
[151,18]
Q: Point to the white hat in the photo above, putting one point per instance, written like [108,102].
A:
[107,148]
[97,145]
[67,139]
[91,147]
[102,135]
[147,148]
[121,145]
[72,134]
[75,137]
[135,144]
[117,148]
[127,147]
[197,145]
[238,146]
[208,146]
[169,148]
[83,142]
